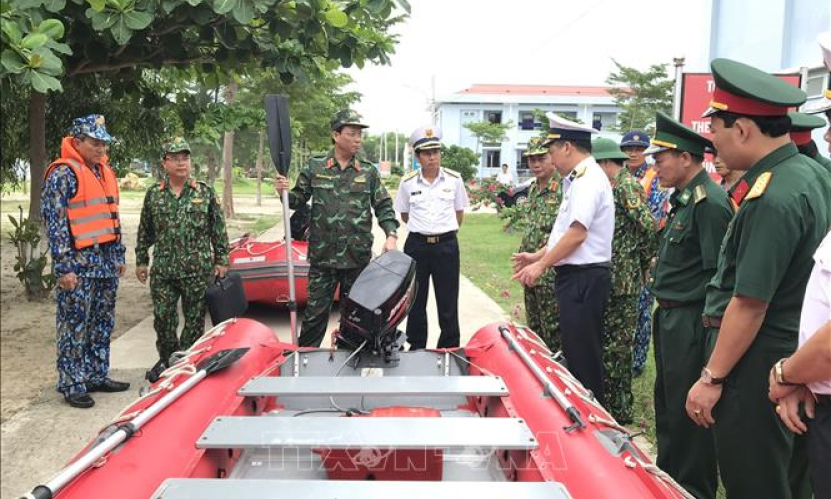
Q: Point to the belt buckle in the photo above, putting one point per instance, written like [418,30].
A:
[432,239]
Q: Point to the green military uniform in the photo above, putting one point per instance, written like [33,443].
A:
[340,233]
[188,237]
[687,259]
[633,247]
[541,309]
[766,255]
[801,126]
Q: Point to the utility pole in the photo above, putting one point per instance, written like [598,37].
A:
[679,72]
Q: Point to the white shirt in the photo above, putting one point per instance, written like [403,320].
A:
[587,199]
[816,309]
[432,206]
[505,178]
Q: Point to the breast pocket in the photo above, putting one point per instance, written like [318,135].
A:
[680,246]
[359,187]
[196,215]
[447,198]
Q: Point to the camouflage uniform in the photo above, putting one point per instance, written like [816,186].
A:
[541,310]
[340,233]
[189,239]
[634,243]
[86,314]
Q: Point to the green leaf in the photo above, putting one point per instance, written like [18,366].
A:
[193,3]
[120,31]
[137,20]
[404,4]
[12,31]
[97,5]
[224,6]
[59,47]
[52,28]
[244,12]
[50,64]
[170,5]
[34,40]
[28,4]
[12,62]
[102,21]
[54,6]
[376,6]
[116,4]
[44,83]
[336,18]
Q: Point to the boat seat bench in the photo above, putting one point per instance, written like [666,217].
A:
[392,386]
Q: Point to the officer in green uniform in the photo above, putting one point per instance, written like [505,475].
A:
[344,191]
[182,221]
[801,126]
[754,299]
[541,208]
[633,247]
[687,258]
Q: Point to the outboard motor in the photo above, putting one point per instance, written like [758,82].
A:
[379,300]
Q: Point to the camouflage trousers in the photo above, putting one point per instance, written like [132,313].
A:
[644,330]
[542,314]
[620,323]
[323,282]
[166,293]
[85,320]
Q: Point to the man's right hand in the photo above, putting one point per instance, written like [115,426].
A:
[281,183]
[141,273]
[522,260]
[67,282]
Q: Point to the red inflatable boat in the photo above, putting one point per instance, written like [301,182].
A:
[264,272]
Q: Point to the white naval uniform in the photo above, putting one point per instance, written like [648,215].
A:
[432,206]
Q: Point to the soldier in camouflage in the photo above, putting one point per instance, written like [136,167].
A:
[634,243]
[182,220]
[344,191]
[544,195]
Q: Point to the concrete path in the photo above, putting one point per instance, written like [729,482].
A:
[37,442]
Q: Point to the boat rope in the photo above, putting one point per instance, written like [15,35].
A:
[469,362]
[248,245]
[610,422]
[345,362]
[631,461]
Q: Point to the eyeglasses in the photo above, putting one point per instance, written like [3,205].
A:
[177,159]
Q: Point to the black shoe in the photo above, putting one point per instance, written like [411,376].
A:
[155,372]
[108,385]
[79,400]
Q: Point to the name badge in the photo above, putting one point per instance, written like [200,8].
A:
[415,193]
[196,200]
[361,179]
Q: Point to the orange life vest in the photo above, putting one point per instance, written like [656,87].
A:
[93,210]
[646,181]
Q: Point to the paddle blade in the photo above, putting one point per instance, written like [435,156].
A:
[220,360]
[279,131]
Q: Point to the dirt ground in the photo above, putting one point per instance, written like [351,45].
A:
[27,329]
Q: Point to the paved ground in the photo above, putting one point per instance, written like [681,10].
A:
[38,441]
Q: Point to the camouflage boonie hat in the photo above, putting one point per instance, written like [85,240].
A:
[92,126]
[347,117]
[176,144]
[535,147]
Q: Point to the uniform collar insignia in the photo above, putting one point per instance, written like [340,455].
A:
[684,197]
[739,191]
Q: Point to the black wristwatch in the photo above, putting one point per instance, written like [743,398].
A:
[708,379]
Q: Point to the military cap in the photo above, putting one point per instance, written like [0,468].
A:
[425,138]
[823,104]
[801,126]
[176,144]
[635,138]
[535,147]
[607,149]
[671,134]
[743,89]
[561,128]
[91,125]
[347,117]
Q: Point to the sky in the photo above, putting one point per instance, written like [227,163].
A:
[458,43]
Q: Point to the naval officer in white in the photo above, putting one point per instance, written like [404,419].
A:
[580,250]
[432,203]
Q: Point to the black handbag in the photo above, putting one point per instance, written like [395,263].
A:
[226,298]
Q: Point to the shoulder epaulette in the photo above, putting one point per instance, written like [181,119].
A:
[579,172]
[452,173]
[413,174]
[699,194]
[759,186]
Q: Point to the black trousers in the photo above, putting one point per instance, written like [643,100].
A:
[439,260]
[582,293]
[819,448]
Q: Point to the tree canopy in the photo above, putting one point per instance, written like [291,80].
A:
[640,95]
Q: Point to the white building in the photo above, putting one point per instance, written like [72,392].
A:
[517,104]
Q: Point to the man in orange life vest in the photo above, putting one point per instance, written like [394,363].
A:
[79,205]
[634,144]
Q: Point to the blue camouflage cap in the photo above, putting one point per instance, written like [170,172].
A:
[91,125]
[635,138]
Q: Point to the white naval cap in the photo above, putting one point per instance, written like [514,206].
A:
[561,128]
[823,104]
[426,137]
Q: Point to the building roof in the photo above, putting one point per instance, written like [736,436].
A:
[563,90]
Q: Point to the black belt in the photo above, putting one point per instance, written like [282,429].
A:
[434,238]
[568,269]
[665,304]
[823,399]
[711,321]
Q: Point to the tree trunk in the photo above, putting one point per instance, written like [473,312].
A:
[228,159]
[259,167]
[37,151]
[210,159]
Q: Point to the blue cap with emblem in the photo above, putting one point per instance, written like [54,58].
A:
[91,125]
[560,128]
[635,138]
[425,138]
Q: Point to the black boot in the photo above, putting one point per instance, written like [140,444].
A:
[79,400]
